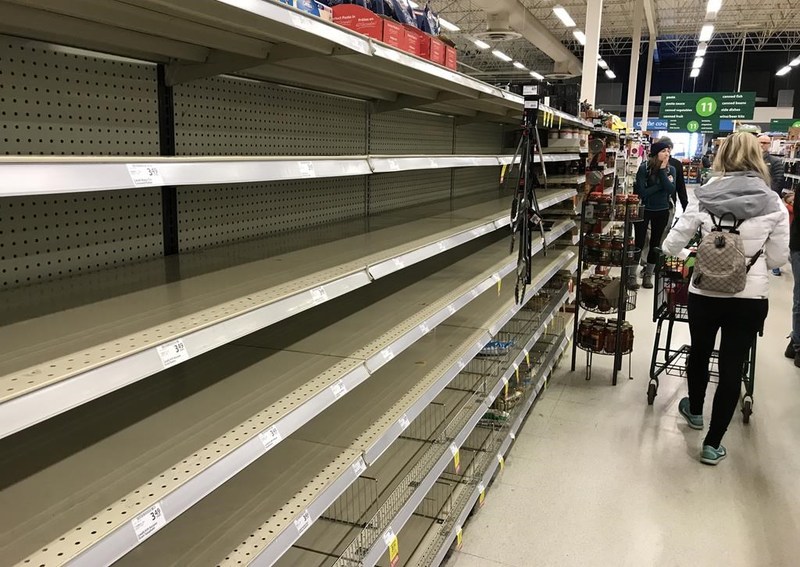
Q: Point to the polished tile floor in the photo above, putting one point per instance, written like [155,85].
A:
[599,478]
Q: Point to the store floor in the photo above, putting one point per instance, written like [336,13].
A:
[599,478]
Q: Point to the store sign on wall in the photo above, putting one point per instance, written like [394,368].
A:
[783,124]
[701,112]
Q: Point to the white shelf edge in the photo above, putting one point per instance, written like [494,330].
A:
[791,176]
[390,164]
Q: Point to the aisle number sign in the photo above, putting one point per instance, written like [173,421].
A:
[783,124]
[701,112]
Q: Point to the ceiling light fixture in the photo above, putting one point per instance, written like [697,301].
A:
[537,76]
[480,44]
[500,55]
[610,74]
[564,16]
[713,6]
[519,65]
[701,50]
[449,26]
[602,64]
[794,62]
[580,36]
[706,32]
[698,62]
[694,73]
[783,70]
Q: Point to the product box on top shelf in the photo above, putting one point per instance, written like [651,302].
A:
[418,42]
[363,21]
[450,58]
[438,51]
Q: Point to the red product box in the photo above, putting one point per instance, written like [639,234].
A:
[359,20]
[450,58]
[418,41]
[437,54]
[394,34]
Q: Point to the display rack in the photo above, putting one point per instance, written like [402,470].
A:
[233,293]
[615,209]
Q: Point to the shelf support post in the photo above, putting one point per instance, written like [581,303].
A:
[166,138]
[633,74]
[594,13]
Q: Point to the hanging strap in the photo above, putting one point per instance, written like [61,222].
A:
[734,228]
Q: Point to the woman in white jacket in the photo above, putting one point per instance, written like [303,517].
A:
[741,187]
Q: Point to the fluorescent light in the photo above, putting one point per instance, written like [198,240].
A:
[694,73]
[602,64]
[701,49]
[564,16]
[698,62]
[448,25]
[783,71]
[480,44]
[500,55]
[706,32]
[610,74]
[794,62]
[713,6]
[519,65]
[580,36]
[537,76]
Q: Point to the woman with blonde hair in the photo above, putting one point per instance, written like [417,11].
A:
[739,189]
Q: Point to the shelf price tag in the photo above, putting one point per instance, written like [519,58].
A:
[404,422]
[172,353]
[459,537]
[513,435]
[505,387]
[387,354]
[390,539]
[149,522]
[270,437]
[516,370]
[393,165]
[359,466]
[145,175]
[319,295]
[456,457]
[306,168]
[424,329]
[481,494]
[527,357]
[303,523]
[338,389]
[442,246]
[499,280]
[501,460]
[398,263]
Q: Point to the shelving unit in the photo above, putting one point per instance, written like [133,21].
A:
[231,295]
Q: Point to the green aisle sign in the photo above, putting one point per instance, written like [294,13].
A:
[688,106]
[783,124]
[694,124]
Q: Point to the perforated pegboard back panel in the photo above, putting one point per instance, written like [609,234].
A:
[42,238]
[61,102]
[479,138]
[228,116]
[210,215]
[410,132]
[472,180]
[389,191]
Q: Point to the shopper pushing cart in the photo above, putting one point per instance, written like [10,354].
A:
[736,208]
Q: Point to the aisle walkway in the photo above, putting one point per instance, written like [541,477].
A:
[598,478]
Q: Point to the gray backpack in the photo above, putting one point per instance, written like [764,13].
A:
[721,265]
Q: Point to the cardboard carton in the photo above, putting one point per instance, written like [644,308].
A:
[450,58]
[437,51]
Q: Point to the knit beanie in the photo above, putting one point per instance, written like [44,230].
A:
[657,147]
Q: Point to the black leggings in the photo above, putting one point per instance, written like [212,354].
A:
[740,321]
[657,221]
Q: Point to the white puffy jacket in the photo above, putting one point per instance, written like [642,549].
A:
[765,226]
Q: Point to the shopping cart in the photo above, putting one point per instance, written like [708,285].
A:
[670,306]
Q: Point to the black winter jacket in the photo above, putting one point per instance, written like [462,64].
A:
[775,165]
[680,183]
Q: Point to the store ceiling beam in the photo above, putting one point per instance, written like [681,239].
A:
[650,16]
[56,28]
[523,21]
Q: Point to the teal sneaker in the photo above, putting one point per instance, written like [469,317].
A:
[694,421]
[712,456]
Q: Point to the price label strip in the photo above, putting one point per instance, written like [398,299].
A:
[505,387]
[390,539]
[172,353]
[145,175]
[149,522]
[481,494]
[456,457]
[303,523]
[501,460]
[459,537]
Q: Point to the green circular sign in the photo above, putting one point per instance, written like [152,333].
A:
[706,106]
[796,124]
[693,126]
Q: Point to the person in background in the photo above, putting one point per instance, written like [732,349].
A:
[793,350]
[775,165]
[741,188]
[655,185]
[680,181]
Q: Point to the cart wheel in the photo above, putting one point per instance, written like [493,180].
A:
[652,390]
[747,410]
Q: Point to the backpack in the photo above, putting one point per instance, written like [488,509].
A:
[721,265]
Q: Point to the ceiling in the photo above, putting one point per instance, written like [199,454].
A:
[764,25]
